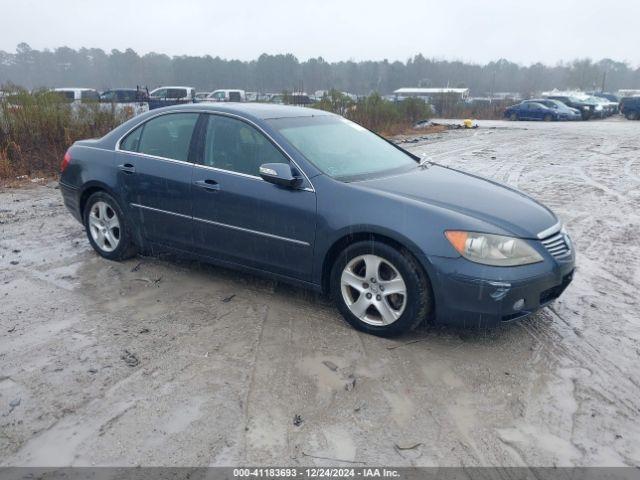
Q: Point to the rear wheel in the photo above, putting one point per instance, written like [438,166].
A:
[107,229]
[380,290]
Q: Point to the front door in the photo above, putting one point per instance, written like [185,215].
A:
[155,177]
[239,217]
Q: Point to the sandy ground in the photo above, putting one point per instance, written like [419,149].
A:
[166,362]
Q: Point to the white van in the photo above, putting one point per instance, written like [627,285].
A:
[74,95]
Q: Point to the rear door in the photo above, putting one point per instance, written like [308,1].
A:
[155,177]
[238,217]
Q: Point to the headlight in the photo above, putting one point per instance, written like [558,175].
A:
[496,250]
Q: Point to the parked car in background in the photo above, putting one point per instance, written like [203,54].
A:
[291,99]
[309,197]
[167,96]
[531,110]
[78,95]
[226,95]
[565,112]
[135,99]
[611,97]
[587,109]
[604,108]
[630,107]
[201,96]
[124,95]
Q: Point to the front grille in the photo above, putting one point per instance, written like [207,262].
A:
[557,245]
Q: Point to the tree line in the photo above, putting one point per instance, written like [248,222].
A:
[93,67]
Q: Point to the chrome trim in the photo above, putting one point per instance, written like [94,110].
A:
[213,112]
[255,232]
[216,169]
[557,245]
[144,207]
[550,231]
[156,157]
[219,224]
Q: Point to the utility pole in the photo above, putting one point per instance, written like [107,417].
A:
[604,79]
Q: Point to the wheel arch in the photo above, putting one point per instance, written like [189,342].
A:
[89,189]
[368,235]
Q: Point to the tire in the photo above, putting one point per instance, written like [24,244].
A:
[513,117]
[631,115]
[395,270]
[111,238]
[547,118]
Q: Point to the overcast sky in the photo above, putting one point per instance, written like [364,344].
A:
[524,31]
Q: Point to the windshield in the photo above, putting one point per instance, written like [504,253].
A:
[342,149]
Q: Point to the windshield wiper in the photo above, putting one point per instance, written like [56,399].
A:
[425,163]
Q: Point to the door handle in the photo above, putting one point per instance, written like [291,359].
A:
[208,184]
[127,168]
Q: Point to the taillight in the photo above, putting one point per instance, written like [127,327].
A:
[65,162]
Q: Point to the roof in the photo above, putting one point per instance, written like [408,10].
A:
[174,86]
[430,90]
[74,89]
[258,110]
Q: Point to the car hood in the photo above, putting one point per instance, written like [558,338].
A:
[476,197]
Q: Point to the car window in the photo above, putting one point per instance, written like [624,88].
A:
[160,93]
[67,95]
[131,142]
[234,145]
[176,93]
[168,136]
[127,96]
[107,96]
[89,96]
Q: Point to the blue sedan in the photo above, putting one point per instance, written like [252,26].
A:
[310,198]
[531,110]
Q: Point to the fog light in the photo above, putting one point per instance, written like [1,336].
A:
[519,305]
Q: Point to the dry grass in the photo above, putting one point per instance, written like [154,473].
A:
[36,130]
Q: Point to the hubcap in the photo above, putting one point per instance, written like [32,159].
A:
[104,226]
[373,289]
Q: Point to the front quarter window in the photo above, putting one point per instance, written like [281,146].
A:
[342,149]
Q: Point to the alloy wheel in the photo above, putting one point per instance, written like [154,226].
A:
[104,226]
[373,290]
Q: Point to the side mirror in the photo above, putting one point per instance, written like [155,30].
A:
[279,174]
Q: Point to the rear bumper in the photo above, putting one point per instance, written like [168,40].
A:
[473,295]
[71,199]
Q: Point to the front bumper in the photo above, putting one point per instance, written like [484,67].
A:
[468,294]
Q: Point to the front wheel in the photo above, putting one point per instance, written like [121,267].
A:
[380,290]
[107,228]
